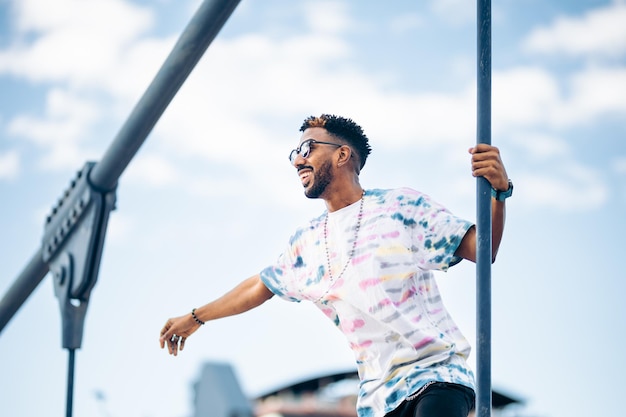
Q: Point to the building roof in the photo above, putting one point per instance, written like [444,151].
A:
[315,384]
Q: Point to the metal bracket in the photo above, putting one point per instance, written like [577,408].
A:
[72,246]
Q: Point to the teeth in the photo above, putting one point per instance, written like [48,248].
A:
[304,176]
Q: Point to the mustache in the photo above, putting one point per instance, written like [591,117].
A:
[301,167]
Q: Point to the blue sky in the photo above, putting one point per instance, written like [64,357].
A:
[211,199]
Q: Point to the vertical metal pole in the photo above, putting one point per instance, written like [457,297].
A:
[70,383]
[483,223]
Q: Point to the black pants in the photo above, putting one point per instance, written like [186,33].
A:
[438,400]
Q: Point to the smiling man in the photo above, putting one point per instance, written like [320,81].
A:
[367,263]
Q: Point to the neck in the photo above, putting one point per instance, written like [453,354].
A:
[343,199]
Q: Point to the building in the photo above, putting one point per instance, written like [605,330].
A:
[218,394]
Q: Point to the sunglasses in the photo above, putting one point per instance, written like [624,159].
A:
[304,150]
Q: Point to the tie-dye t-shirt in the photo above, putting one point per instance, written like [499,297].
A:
[386,302]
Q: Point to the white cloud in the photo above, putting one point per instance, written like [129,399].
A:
[541,146]
[73,41]
[327,16]
[9,165]
[220,113]
[244,101]
[532,96]
[455,11]
[87,61]
[130,74]
[41,15]
[595,92]
[618,165]
[404,23]
[598,33]
[523,96]
[551,177]
[120,227]
[573,188]
[435,118]
[74,46]
[152,170]
[60,131]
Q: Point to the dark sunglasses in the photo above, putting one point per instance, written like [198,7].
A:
[304,150]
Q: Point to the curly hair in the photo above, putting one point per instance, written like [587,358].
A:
[344,129]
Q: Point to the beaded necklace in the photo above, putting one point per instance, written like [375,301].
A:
[352,251]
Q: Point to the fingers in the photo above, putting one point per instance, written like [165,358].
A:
[165,333]
[171,336]
[175,344]
[483,151]
[172,344]
[485,160]
[486,163]
[482,147]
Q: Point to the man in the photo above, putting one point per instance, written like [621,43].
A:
[366,262]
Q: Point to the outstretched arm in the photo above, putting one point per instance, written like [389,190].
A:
[249,294]
[486,163]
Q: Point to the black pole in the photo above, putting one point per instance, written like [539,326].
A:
[70,383]
[483,223]
[193,42]
[22,287]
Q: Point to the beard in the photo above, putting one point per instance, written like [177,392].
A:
[321,179]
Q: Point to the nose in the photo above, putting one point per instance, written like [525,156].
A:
[298,160]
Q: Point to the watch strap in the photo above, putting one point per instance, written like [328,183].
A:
[502,195]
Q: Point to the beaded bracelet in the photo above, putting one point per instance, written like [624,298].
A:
[193,314]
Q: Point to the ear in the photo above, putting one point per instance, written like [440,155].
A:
[344,155]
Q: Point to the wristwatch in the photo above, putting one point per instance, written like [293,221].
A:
[502,195]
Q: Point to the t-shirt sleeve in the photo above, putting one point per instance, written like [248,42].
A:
[436,232]
[277,278]
[285,277]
